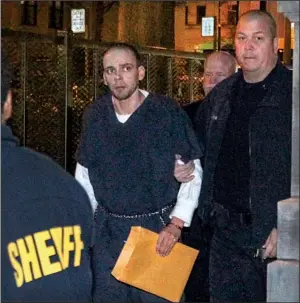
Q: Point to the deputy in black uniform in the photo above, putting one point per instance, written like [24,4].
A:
[46,223]
[245,126]
[217,67]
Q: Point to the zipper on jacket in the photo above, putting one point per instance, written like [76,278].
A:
[250,154]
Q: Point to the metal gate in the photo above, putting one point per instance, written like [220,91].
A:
[54,79]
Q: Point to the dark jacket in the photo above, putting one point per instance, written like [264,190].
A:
[270,148]
[192,108]
[46,229]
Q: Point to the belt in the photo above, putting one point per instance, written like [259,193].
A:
[224,216]
[135,216]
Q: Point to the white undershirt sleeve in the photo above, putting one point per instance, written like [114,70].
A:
[188,195]
[82,176]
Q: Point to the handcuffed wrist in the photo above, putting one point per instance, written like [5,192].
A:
[177,226]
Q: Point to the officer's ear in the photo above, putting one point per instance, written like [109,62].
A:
[275,45]
[7,107]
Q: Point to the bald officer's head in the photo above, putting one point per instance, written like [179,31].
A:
[217,67]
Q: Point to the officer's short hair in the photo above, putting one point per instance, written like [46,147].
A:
[264,15]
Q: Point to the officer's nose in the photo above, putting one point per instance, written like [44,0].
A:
[213,79]
[249,44]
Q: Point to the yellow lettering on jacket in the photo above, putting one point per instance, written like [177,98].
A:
[29,259]
[45,253]
[79,245]
[13,254]
[57,234]
[68,245]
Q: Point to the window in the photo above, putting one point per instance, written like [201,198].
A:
[263,5]
[56,14]
[201,12]
[233,14]
[186,15]
[29,12]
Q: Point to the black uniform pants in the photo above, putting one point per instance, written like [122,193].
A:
[235,275]
[198,237]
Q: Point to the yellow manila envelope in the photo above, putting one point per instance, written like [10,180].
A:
[139,265]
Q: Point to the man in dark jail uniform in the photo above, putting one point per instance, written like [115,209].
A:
[46,222]
[245,129]
[126,163]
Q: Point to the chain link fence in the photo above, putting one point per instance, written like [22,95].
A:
[54,79]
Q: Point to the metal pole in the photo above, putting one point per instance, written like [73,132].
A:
[191,91]
[148,71]
[170,77]
[24,86]
[219,25]
[295,124]
[66,45]
[96,56]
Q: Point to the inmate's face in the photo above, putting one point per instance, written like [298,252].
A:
[254,46]
[121,73]
[216,69]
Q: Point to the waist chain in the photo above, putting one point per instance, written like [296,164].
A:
[136,216]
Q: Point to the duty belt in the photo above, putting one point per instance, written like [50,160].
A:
[136,216]
[224,216]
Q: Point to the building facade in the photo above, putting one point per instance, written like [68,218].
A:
[188,25]
[160,24]
[144,23]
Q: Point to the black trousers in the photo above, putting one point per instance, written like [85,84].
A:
[235,275]
[198,237]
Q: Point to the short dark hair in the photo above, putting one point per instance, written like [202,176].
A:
[265,15]
[125,46]
[6,77]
